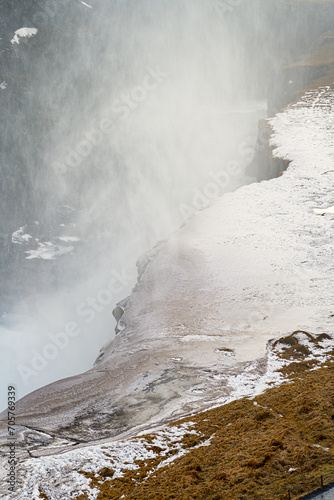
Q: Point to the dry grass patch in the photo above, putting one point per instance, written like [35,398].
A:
[259,448]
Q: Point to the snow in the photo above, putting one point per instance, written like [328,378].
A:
[256,265]
[322,447]
[122,455]
[61,470]
[22,33]
[48,251]
[20,236]
[86,5]
[264,247]
[68,238]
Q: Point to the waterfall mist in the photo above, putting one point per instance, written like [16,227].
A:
[129,117]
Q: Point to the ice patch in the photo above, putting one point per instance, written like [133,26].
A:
[322,211]
[120,456]
[200,338]
[48,251]
[19,237]
[68,238]
[23,33]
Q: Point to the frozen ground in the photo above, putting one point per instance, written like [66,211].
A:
[257,264]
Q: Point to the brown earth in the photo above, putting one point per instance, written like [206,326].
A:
[259,447]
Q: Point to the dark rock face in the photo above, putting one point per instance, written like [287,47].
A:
[50,81]
[315,67]
[290,81]
[264,165]
[29,188]
[29,72]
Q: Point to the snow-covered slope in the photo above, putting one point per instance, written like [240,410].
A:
[255,265]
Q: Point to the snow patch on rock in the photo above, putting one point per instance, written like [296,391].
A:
[20,236]
[23,33]
[48,251]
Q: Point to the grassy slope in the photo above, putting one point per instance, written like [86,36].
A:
[254,444]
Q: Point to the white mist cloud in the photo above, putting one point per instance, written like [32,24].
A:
[146,108]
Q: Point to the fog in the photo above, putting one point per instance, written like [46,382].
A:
[141,112]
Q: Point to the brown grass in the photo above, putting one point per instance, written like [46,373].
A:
[252,446]
[42,495]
